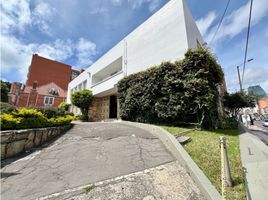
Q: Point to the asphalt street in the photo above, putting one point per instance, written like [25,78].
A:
[260,131]
[86,154]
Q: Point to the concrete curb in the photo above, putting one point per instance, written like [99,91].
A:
[183,157]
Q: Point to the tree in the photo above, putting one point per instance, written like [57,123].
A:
[82,99]
[5,86]
[234,102]
[64,106]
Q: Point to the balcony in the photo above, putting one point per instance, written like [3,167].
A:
[107,86]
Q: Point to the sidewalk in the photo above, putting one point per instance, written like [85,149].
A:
[169,181]
[254,157]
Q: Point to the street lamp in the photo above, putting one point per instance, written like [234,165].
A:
[238,73]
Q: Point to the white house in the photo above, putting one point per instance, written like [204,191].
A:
[165,36]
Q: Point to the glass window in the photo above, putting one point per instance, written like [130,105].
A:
[49,100]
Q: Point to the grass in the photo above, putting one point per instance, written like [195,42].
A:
[204,150]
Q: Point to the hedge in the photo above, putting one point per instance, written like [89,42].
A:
[181,92]
[31,118]
[6,108]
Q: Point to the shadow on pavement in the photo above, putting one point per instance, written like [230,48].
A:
[7,174]
[28,152]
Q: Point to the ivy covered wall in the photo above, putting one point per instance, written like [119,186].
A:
[181,92]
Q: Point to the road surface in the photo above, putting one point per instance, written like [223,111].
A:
[260,131]
[88,153]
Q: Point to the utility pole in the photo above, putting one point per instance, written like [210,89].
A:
[238,73]
[246,50]
[239,78]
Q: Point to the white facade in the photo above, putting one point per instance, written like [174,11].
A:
[165,36]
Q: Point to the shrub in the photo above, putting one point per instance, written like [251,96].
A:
[6,107]
[228,123]
[184,91]
[64,106]
[49,112]
[59,121]
[8,122]
[53,112]
[84,118]
[31,118]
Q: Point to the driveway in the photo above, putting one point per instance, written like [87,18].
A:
[87,153]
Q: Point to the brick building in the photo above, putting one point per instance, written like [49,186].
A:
[46,84]
[263,106]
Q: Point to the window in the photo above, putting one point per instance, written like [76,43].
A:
[49,100]
[53,91]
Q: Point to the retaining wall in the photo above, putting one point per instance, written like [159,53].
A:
[14,142]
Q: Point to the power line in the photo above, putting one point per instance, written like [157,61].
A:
[246,50]
[219,25]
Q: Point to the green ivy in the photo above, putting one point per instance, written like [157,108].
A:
[184,91]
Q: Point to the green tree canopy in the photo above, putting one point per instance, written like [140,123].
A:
[235,101]
[82,99]
[5,87]
[64,106]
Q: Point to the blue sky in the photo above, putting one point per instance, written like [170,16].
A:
[79,32]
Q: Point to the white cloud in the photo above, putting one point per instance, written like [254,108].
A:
[58,50]
[85,50]
[152,4]
[237,21]
[116,2]
[15,15]
[16,55]
[42,15]
[256,76]
[205,22]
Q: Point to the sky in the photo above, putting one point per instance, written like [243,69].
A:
[81,31]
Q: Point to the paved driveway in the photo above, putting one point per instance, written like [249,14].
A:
[85,154]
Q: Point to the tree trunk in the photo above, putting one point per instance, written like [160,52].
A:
[84,111]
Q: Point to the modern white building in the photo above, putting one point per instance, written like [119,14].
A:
[165,36]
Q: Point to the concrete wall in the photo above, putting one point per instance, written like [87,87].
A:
[160,38]
[192,31]
[14,142]
[165,36]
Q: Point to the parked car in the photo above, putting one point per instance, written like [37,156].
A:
[265,122]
